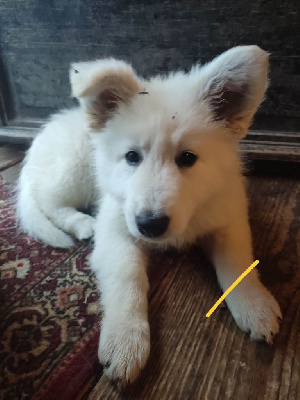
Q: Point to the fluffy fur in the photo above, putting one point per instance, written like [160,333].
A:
[82,155]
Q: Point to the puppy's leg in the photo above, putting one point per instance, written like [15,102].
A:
[251,304]
[120,267]
[74,222]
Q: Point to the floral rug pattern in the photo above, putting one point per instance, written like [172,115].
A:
[48,308]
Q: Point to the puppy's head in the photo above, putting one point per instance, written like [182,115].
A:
[166,148]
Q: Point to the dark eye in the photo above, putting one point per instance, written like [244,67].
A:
[186,159]
[133,157]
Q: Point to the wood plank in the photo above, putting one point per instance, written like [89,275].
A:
[193,357]
[272,151]
[11,175]
[17,135]
[279,136]
[9,156]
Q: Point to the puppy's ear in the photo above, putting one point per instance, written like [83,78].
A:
[234,85]
[102,86]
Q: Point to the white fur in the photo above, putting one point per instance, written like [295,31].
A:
[206,202]
[56,179]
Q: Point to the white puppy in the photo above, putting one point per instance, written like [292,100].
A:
[167,168]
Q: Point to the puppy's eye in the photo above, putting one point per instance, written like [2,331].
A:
[133,157]
[186,159]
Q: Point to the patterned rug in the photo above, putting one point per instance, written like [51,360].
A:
[50,315]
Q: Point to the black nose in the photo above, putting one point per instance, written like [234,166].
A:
[152,224]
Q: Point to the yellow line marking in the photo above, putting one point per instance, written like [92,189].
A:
[237,281]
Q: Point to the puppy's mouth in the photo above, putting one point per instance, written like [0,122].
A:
[161,242]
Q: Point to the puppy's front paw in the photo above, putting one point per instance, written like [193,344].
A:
[124,348]
[256,312]
[84,228]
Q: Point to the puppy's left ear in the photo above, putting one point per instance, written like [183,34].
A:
[234,85]
[102,86]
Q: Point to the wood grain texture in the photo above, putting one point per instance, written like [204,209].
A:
[39,39]
[9,156]
[193,357]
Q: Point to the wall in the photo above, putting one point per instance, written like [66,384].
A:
[40,38]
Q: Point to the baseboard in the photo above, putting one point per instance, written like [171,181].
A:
[258,145]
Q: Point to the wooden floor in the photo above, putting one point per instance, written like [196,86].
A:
[194,357]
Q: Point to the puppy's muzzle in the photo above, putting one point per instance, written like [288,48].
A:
[152,224]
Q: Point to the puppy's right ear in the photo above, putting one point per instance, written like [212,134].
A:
[102,86]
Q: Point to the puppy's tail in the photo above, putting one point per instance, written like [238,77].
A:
[34,222]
